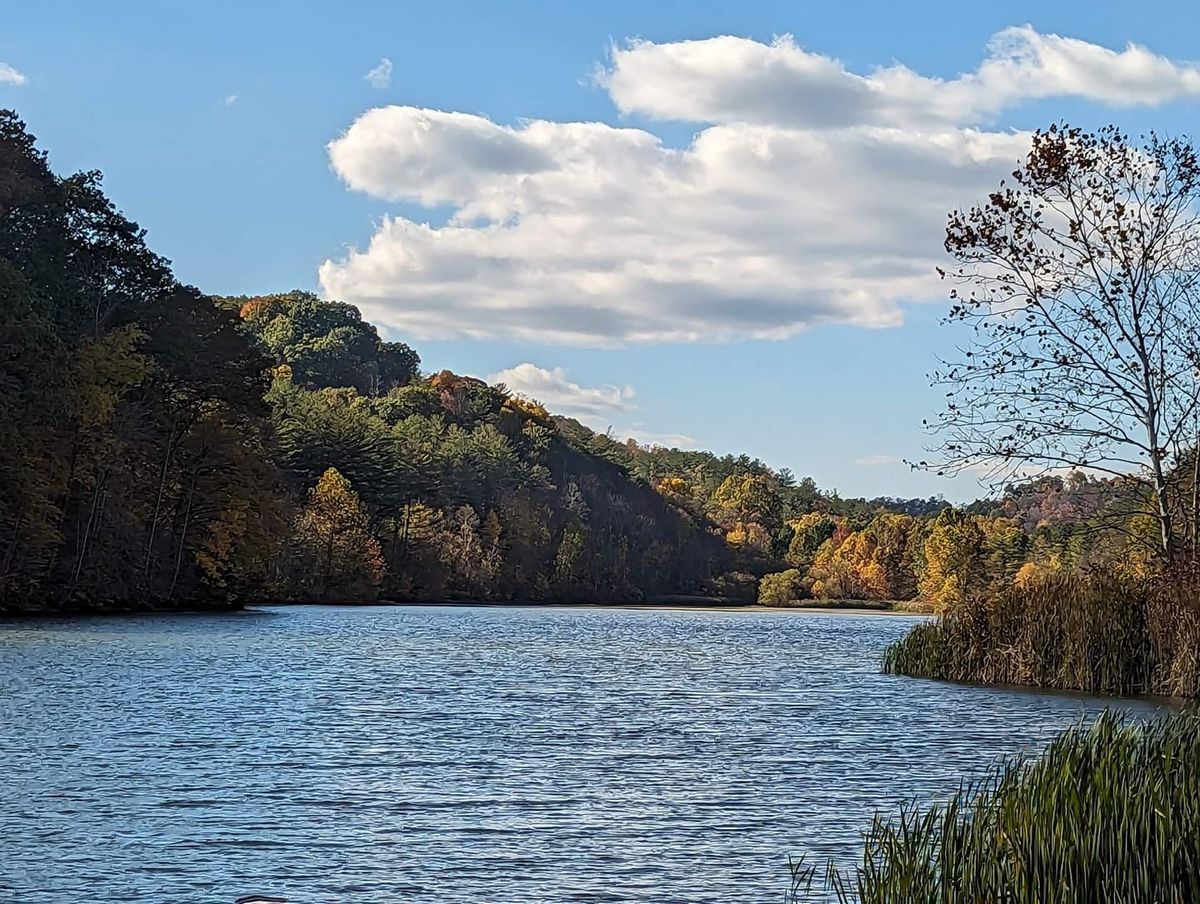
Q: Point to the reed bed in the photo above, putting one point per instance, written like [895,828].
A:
[1096,633]
[1108,813]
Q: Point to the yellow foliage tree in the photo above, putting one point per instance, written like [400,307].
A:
[783,588]
[672,487]
[470,554]
[849,570]
[1005,547]
[527,408]
[1140,558]
[748,498]
[953,558]
[748,535]
[892,554]
[105,369]
[336,554]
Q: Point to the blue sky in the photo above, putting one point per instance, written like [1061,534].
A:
[211,123]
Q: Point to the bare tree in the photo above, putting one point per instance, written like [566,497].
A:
[1078,282]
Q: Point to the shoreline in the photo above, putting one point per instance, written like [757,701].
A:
[649,606]
[677,604]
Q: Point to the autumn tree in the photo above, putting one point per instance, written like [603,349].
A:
[809,532]
[334,551]
[749,498]
[1005,548]
[895,538]
[472,555]
[783,588]
[326,343]
[952,558]
[1078,281]
[849,570]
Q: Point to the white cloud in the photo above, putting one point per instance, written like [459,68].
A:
[728,79]
[9,75]
[814,196]
[876,461]
[230,100]
[553,388]
[381,75]
[596,407]
[585,233]
[403,153]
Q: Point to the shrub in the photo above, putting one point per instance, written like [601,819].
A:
[783,588]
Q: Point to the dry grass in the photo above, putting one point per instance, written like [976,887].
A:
[1094,633]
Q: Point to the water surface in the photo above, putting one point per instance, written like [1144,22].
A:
[468,754]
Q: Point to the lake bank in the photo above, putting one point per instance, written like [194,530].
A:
[701,604]
[75,609]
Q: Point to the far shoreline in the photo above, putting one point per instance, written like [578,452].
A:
[677,604]
[648,606]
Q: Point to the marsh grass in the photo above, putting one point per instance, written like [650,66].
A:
[1109,813]
[1096,633]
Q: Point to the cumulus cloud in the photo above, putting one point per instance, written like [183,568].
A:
[381,75]
[812,195]
[876,461]
[9,75]
[553,388]
[730,79]
[406,153]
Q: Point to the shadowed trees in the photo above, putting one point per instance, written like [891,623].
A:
[135,463]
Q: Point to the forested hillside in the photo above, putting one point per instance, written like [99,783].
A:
[460,487]
[164,448]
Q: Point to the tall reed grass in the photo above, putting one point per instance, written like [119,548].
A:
[1109,813]
[1095,633]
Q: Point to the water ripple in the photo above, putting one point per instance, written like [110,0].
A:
[468,754]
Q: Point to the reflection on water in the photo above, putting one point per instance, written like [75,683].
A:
[468,754]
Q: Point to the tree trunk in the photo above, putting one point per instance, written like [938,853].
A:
[1195,528]
[93,516]
[1162,491]
[1163,502]
[10,554]
[162,487]
[187,517]
[327,578]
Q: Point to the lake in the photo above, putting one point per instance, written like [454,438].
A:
[468,754]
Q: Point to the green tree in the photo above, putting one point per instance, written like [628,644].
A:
[327,344]
[809,533]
